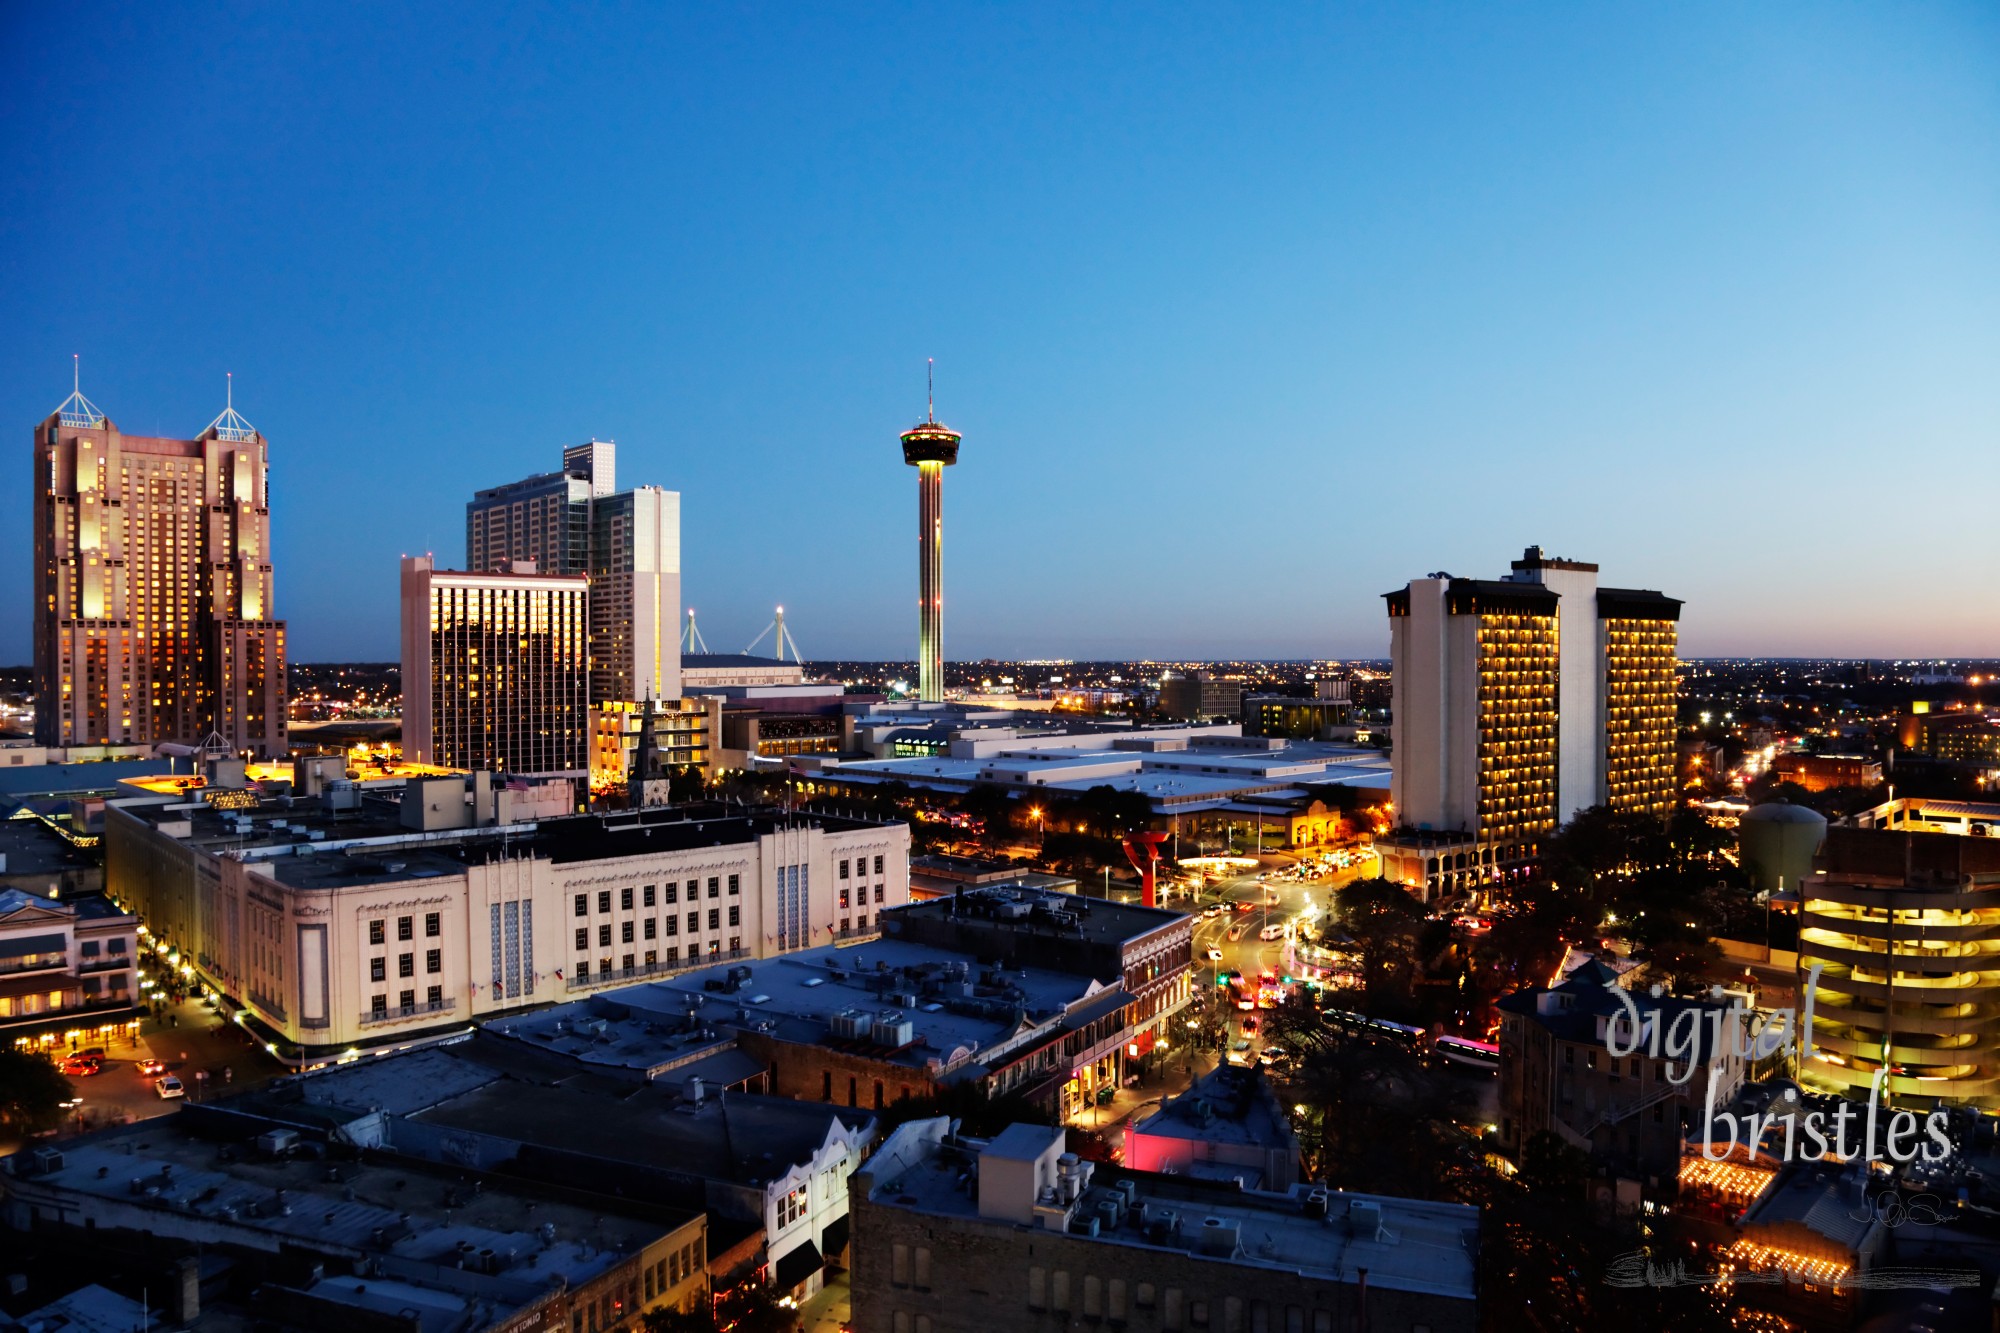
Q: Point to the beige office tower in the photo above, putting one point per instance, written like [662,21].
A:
[152,581]
[1517,703]
[496,669]
[577,521]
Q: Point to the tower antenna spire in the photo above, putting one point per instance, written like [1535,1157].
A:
[77,410]
[229,389]
[930,389]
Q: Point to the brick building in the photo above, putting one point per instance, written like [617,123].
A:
[967,1236]
[1558,1076]
[1824,772]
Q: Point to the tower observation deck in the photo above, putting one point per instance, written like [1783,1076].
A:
[930,447]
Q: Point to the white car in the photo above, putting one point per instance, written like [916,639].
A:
[169,1087]
[1215,955]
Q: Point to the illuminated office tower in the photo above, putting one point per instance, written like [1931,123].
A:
[153,586]
[930,448]
[496,668]
[543,518]
[1518,702]
[577,522]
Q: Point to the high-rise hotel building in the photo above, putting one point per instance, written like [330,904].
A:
[153,587]
[496,668]
[628,544]
[1519,702]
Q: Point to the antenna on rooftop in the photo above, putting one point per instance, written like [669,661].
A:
[930,389]
[230,425]
[77,410]
[691,641]
[784,639]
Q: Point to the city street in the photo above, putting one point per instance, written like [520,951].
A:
[208,1054]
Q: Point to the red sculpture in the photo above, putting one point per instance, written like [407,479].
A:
[1143,851]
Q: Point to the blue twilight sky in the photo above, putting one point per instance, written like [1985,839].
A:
[1247,315]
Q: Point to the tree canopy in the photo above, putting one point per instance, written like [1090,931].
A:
[1387,926]
[32,1092]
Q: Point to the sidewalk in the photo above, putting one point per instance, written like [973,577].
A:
[831,1310]
[1174,1078]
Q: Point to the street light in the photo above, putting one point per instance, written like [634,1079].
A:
[1041,829]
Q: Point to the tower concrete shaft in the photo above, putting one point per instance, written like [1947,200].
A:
[930,582]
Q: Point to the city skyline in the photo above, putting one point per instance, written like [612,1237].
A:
[1251,325]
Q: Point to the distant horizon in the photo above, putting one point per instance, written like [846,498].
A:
[1207,661]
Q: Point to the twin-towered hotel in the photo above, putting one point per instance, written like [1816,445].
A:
[1519,702]
[153,586]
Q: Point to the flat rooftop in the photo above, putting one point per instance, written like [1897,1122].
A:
[1419,1246]
[25,780]
[420,1220]
[518,1092]
[1179,771]
[307,846]
[1230,1105]
[31,847]
[1025,909]
[741,1138]
[799,997]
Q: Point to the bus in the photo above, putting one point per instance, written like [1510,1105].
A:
[1483,1056]
[1400,1033]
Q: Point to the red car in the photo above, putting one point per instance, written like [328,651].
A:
[82,1066]
[152,1068]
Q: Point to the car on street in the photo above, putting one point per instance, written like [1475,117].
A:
[1214,955]
[169,1088]
[82,1066]
[1250,1023]
[1273,1055]
[152,1068]
[1239,1053]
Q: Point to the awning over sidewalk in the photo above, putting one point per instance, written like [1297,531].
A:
[834,1239]
[796,1266]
